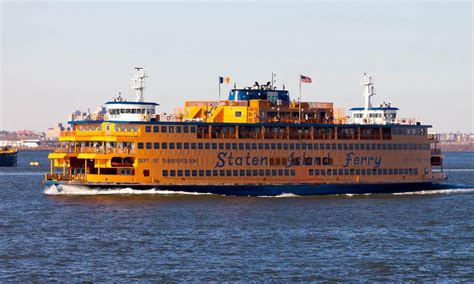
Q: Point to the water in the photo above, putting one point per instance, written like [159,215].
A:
[155,235]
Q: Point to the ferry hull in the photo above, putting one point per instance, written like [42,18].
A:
[272,190]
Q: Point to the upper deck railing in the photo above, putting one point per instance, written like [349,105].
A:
[94,150]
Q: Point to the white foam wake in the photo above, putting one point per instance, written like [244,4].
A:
[437,191]
[458,170]
[283,195]
[83,190]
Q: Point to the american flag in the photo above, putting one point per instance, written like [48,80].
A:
[305,79]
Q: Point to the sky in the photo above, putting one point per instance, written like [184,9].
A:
[58,57]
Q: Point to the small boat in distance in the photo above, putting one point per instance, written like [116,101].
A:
[8,157]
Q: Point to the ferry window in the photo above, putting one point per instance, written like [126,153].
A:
[273,146]
[186,145]
[179,145]
[241,146]
[193,146]
[311,172]
[415,171]
[234,146]
[292,147]
[140,145]
[280,172]
[293,172]
[172,173]
[389,146]
[379,146]
[242,173]
[180,173]
[410,171]
[369,172]
[215,173]
[384,147]
[255,173]
[147,128]
[321,146]
[400,171]
[298,146]
[201,173]
[339,146]
[333,146]
[345,146]
[395,171]
[341,172]
[221,146]
[267,146]
[207,146]
[287,172]
[379,171]
[362,146]
[247,146]
[163,129]
[328,146]
[214,146]
[390,171]
[187,172]
[346,172]
[260,146]
[156,128]
[405,147]
[303,146]
[200,146]
[165,173]
[236,173]
[171,145]
[274,172]
[248,173]
[171,129]
[148,145]
[261,173]
[358,172]
[310,146]
[316,172]
[178,129]
[127,110]
[254,146]
[279,146]
[323,172]
[351,146]
[351,172]
[357,147]
[194,173]
[208,173]
[185,129]
[156,145]
[163,145]
[267,172]
[285,146]
[193,129]
[238,114]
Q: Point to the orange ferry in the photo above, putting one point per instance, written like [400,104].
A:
[257,142]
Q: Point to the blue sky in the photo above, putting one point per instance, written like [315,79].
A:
[61,56]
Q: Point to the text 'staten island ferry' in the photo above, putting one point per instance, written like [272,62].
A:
[257,142]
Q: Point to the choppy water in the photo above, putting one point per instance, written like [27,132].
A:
[154,235]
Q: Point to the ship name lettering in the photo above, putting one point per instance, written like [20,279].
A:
[351,159]
[228,158]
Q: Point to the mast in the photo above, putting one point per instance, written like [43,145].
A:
[138,83]
[369,91]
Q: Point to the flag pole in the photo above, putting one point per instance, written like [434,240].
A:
[219,88]
[299,104]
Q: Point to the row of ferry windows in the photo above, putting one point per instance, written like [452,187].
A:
[228,173]
[281,146]
[358,172]
[192,129]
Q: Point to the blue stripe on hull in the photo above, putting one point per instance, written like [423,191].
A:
[273,190]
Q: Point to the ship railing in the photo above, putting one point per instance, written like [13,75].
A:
[95,150]
[57,176]
[435,151]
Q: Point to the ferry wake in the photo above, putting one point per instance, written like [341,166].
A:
[255,142]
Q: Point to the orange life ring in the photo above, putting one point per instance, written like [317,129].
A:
[168,118]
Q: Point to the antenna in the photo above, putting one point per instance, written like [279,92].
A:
[138,83]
